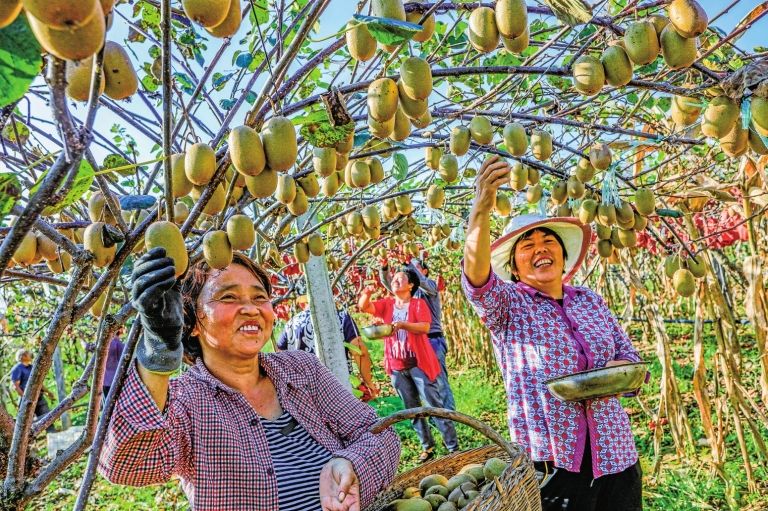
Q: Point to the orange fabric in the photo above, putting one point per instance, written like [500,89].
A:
[418,312]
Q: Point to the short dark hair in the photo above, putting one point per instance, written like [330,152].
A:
[413,278]
[192,285]
[526,235]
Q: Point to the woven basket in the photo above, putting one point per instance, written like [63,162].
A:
[516,490]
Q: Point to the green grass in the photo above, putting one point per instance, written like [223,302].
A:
[683,485]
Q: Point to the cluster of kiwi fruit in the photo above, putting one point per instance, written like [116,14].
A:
[439,493]
[673,37]
[683,272]
[74,32]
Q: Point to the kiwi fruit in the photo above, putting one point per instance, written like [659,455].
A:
[541,144]
[481,129]
[402,127]
[93,241]
[684,282]
[617,66]
[61,14]
[511,18]
[600,156]
[324,160]
[231,23]
[460,140]
[25,253]
[641,42]
[246,150]
[119,74]
[217,250]
[70,43]
[515,139]
[588,75]
[9,11]
[416,77]
[688,17]
[200,163]
[720,117]
[483,32]
[679,52]
[428,26]
[167,235]
[208,13]
[518,44]
[360,42]
[278,137]
[79,74]
[240,232]
[383,99]
[435,197]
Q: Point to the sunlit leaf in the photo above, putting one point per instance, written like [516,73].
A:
[389,31]
[20,60]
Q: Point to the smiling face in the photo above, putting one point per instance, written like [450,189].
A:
[400,285]
[234,314]
[539,261]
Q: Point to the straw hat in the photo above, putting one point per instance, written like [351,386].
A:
[574,234]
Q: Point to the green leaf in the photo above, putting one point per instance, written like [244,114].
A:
[400,168]
[260,12]
[82,182]
[20,60]
[10,191]
[311,118]
[354,349]
[113,161]
[389,31]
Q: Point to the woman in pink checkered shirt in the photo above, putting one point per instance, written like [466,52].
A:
[241,429]
[542,328]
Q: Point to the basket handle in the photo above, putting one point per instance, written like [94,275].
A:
[444,413]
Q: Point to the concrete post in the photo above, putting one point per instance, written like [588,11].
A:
[329,341]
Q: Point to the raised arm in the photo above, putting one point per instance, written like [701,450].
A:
[156,297]
[477,250]
[143,445]
[364,304]
[385,277]
[427,286]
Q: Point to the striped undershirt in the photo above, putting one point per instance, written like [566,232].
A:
[297,459]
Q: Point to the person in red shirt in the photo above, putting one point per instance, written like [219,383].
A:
[241,429]
[408,355]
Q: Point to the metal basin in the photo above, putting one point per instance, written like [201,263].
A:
[596,383]
[377,331]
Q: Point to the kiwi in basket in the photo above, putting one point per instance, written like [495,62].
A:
[414,504]
[493,468]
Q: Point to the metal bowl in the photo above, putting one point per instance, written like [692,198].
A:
[377,331]
[596,383]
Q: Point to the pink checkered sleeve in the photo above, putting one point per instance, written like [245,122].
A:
[142,445]
[624,348]
[374,457]
[496,301]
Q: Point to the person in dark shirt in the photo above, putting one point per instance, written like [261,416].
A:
[20,376]
[116,347]
[299,334]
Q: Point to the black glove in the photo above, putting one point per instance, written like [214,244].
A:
[155,296]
